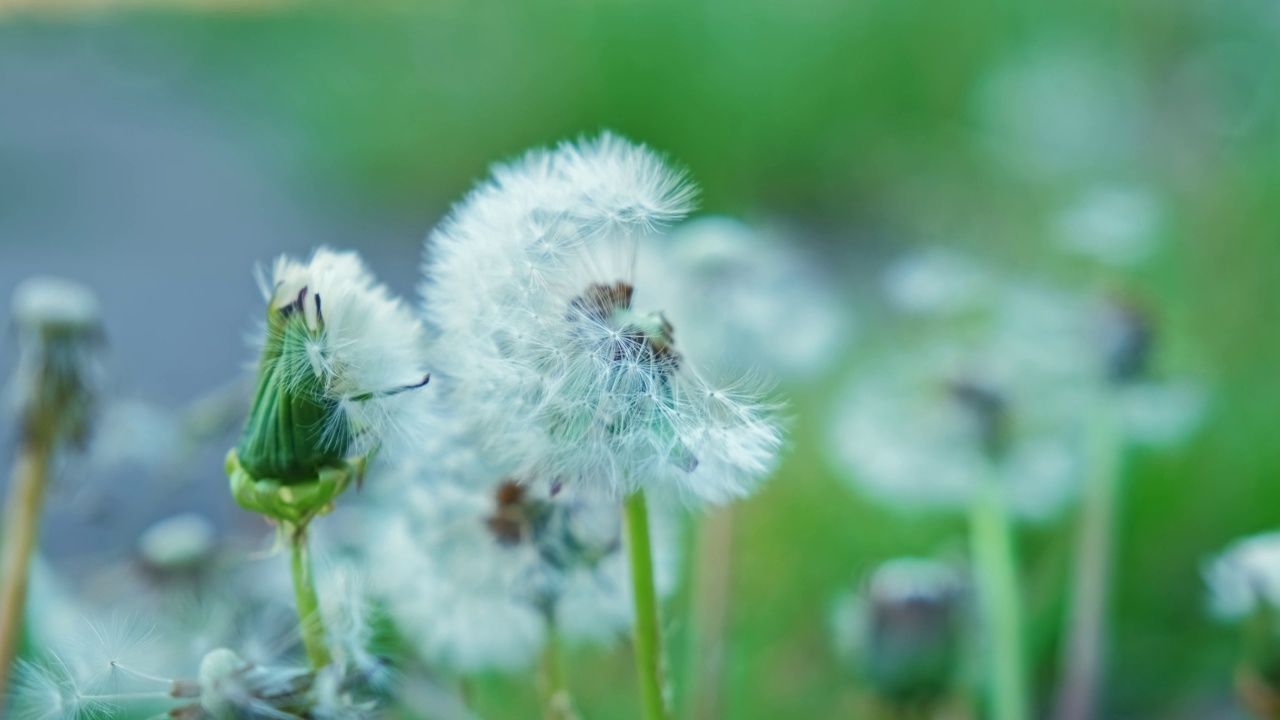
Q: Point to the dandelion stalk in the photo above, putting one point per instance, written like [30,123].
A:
[991,536]
[304,589]
[55,388]
[22,523]
[1078,694]
[648,641]
[713,580]
[552,689]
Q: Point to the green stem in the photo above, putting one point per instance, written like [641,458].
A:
[711,595]
[556,701]
[648,643]
[1078,693]
[21,527]
[310,624]
[992,545]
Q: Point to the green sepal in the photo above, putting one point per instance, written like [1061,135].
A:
[295,503]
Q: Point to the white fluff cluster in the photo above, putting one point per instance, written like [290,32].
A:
[477,574]
[1245,575]
[178,661]
[529,289]
[916,433]
[739,298]
[362,344]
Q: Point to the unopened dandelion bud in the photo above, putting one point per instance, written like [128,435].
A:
[56,386]
[909,632]
[338,351]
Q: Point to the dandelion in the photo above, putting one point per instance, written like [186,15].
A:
[55,391]
[903,631]
[529,288]
[339,355]
[488,574]
[1244,588]
[178,668]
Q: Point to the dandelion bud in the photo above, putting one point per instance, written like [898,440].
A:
[338,352]
[1128,335]
[905,631]
[56,386]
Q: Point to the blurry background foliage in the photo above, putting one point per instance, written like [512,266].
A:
[155,152]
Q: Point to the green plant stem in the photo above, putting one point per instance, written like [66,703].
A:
[712,592]
[647,641]
[991,536]
[1086,632]
[556,701]
[310,623]
[27,485]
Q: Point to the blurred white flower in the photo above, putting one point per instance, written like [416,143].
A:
[475,574]
[127,666]
[339,350]
[529,287]
[1115,225]
[740,297]
[178,542]
[58,380]
[928,431]
[1244,575]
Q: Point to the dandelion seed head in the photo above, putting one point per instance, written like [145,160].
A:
[929,428]
[1244,576]
[59,376]
[530,293]
[475,570]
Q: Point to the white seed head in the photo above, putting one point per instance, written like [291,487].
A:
[928,429]
[475,572]
[529,288]
[1245,574]
[58,380]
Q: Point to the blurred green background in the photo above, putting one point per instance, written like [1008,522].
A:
[869,126]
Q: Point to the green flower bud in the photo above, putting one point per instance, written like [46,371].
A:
[295,502]
[296,427]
